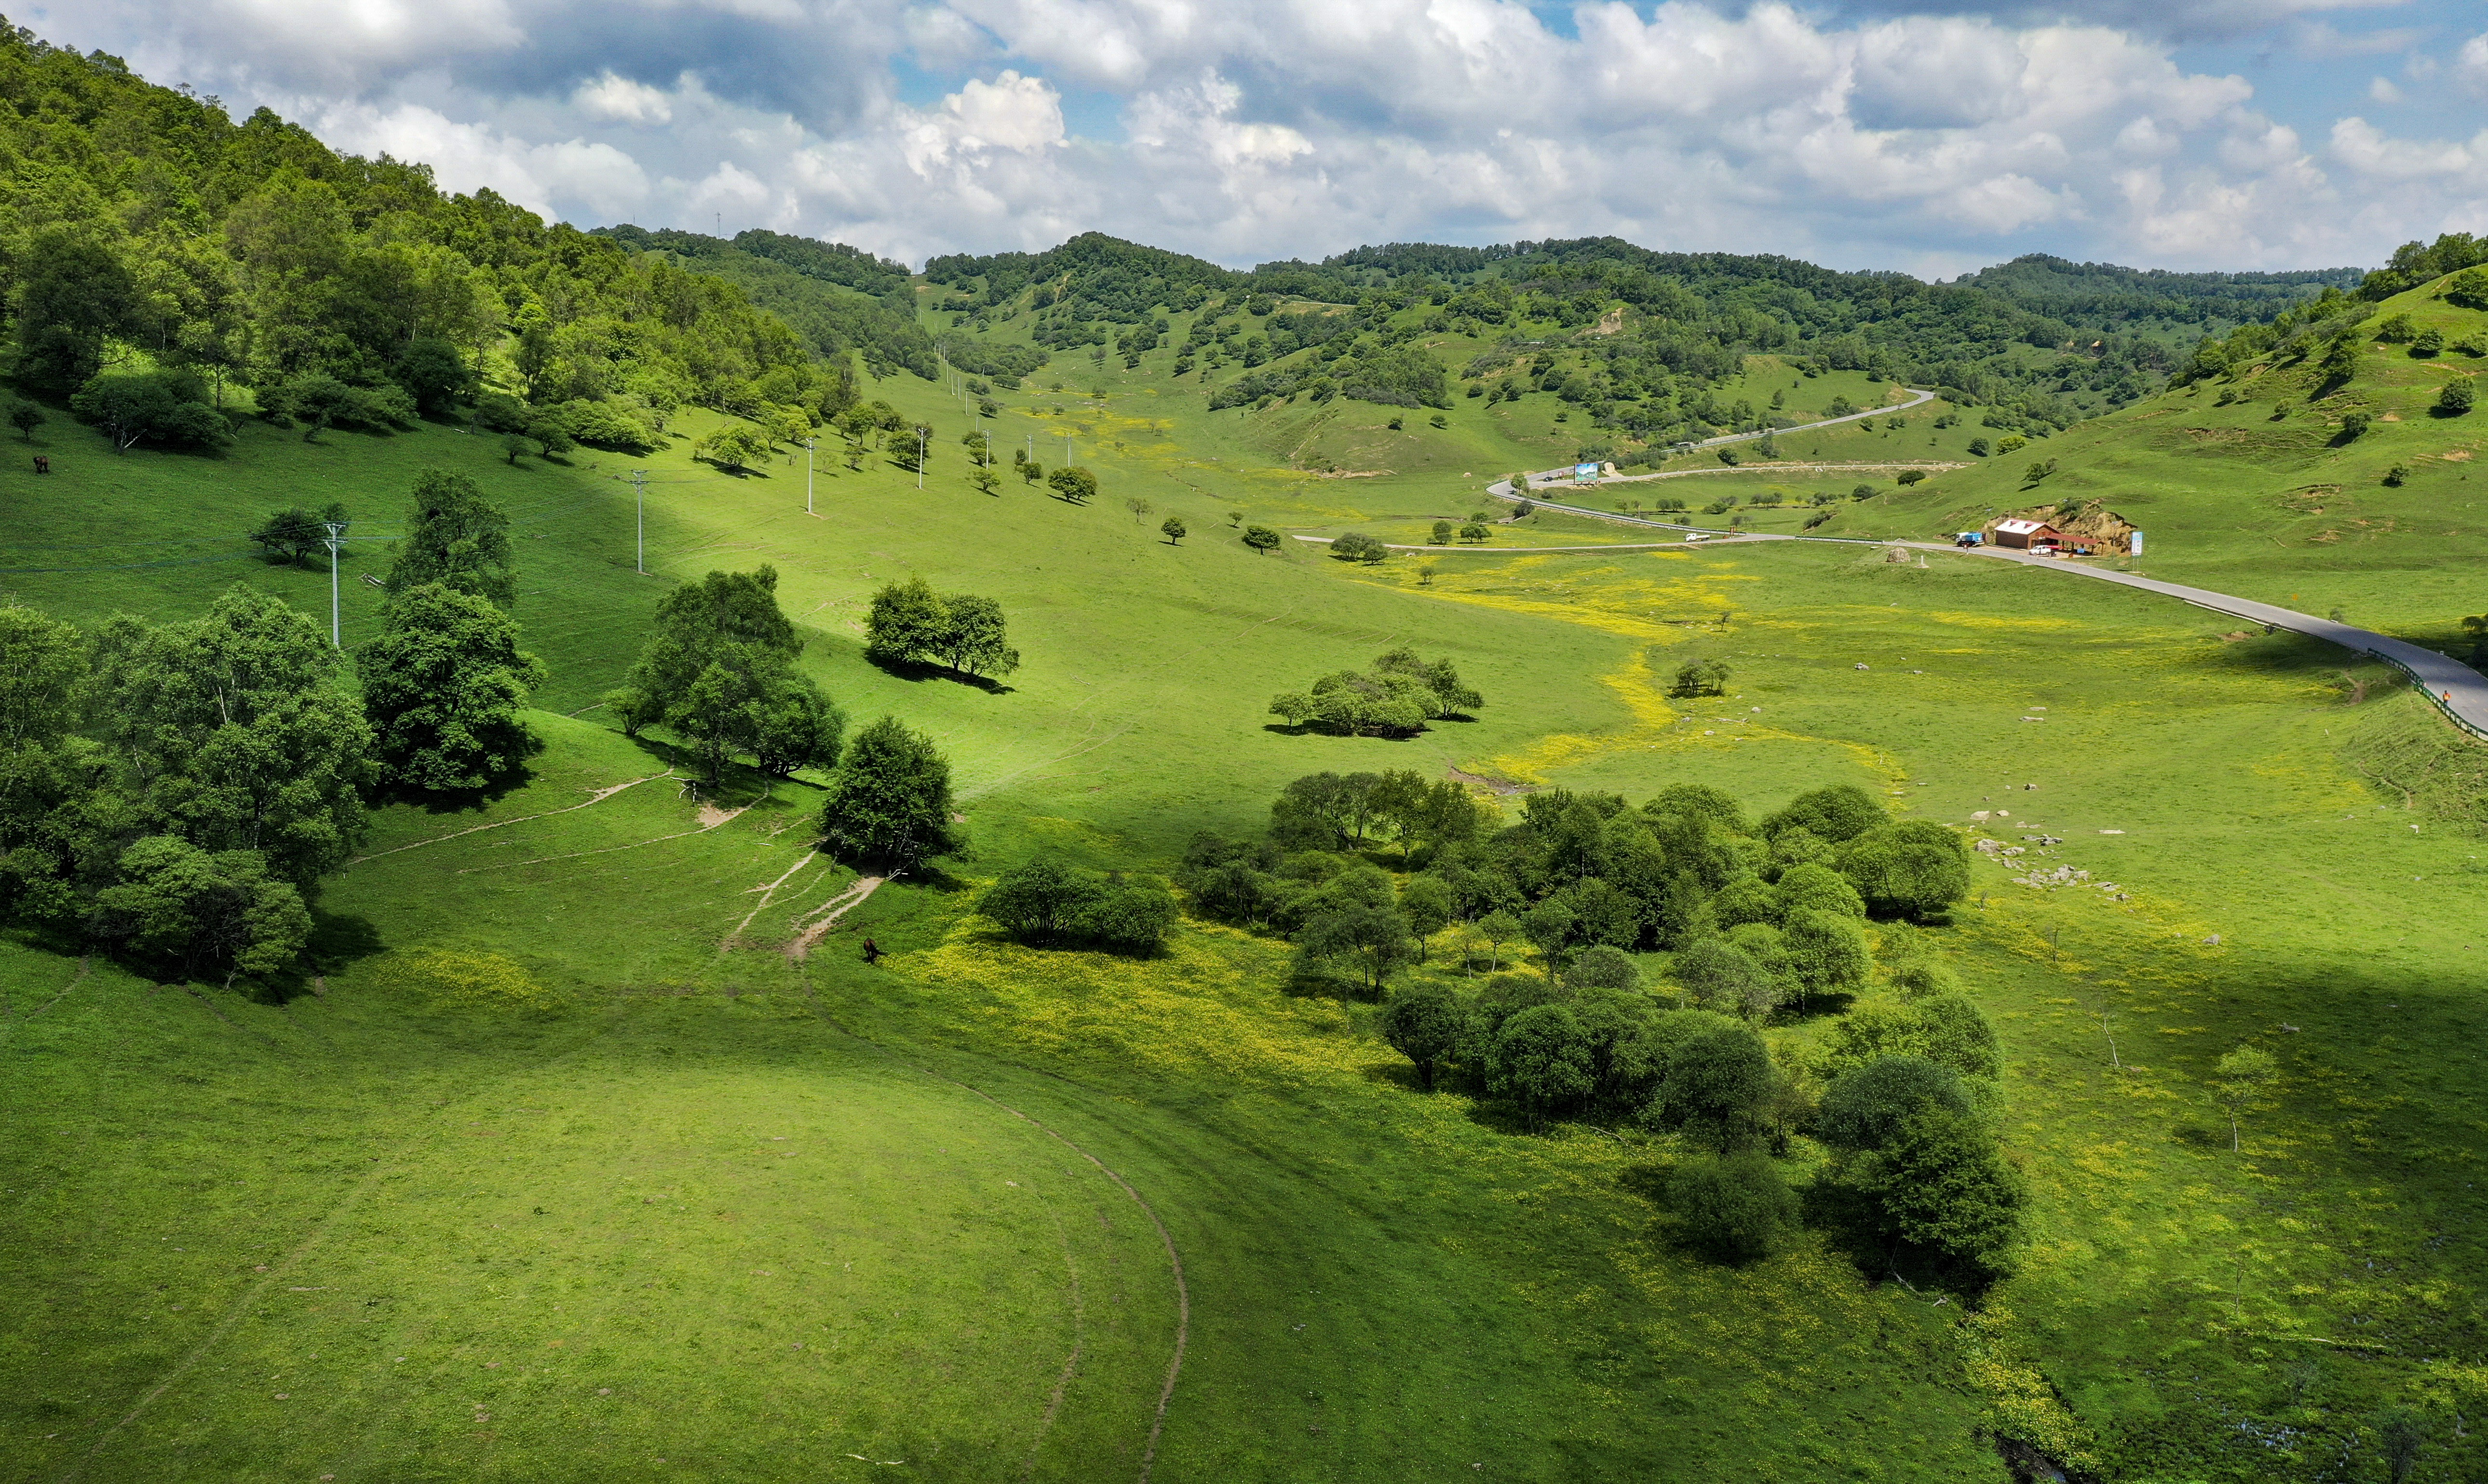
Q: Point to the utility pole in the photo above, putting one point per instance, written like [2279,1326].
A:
[640,482]
[336,530]
[807,475]
[919,458]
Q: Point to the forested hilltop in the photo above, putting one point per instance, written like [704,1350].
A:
[1640,340]
[161,253]
[157,252]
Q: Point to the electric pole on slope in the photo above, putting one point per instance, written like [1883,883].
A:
[919,458]
[807,475]
[640,483]
[336,530]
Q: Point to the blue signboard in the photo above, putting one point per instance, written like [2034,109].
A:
[2137,543]
[1585,471]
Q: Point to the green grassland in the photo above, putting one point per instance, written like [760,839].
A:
[530,1041]
[2244,484]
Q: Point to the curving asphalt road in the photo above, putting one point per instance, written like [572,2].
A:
[2455,688]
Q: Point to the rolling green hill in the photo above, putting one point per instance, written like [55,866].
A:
[2251,482]
[582,1142]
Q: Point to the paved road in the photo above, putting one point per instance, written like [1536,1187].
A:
[2458,690]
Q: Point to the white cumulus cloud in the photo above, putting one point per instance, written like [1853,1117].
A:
[1920,133]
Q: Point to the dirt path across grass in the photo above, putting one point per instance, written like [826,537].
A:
[597,798]
[828,913]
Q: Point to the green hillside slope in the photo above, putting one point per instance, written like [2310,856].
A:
[2252,482]
[583,1140]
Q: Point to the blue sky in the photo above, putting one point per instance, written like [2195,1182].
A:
[1931,137]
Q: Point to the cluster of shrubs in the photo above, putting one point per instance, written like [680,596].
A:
[1396,698]
[1759,915]
[1759,918]
[1048,904]
[1902,1094]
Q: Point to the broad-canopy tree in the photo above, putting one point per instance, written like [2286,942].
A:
[444,687]
[1866,1106]
[718,670]
[736,446]
[1074,484]
[455,538]
[1915,868]
[1374,938]
[1041,900]
[1733,1208]
[1423,1025]
[888,804]
[1542,1060]
[909,623]
[196,912]
[72,293]
[234,734]
[1940,1184]
[1396,698]
[165,409]
[1717,1085]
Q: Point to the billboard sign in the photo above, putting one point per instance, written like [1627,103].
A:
[1586,473]
[2137,549]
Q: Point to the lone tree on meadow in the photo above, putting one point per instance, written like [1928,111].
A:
[1173,528]
[456,538]
[720,671]
[2240,1080]
[1261,538]
[889,806]
[444,687]
[910,624]
[1074,484]
[293,534]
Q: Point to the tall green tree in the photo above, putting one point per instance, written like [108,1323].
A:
[718,670]
[1941,1185]
[444,687]
[1423,1025]
[1716,1087]
[904,622]
[889,806]
[1733,1208]
[455,538]
[72,293]
[231,733]
[973,637]
[1041,900]
[1541,1061]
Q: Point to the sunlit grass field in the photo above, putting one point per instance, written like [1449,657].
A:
[566,1128]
